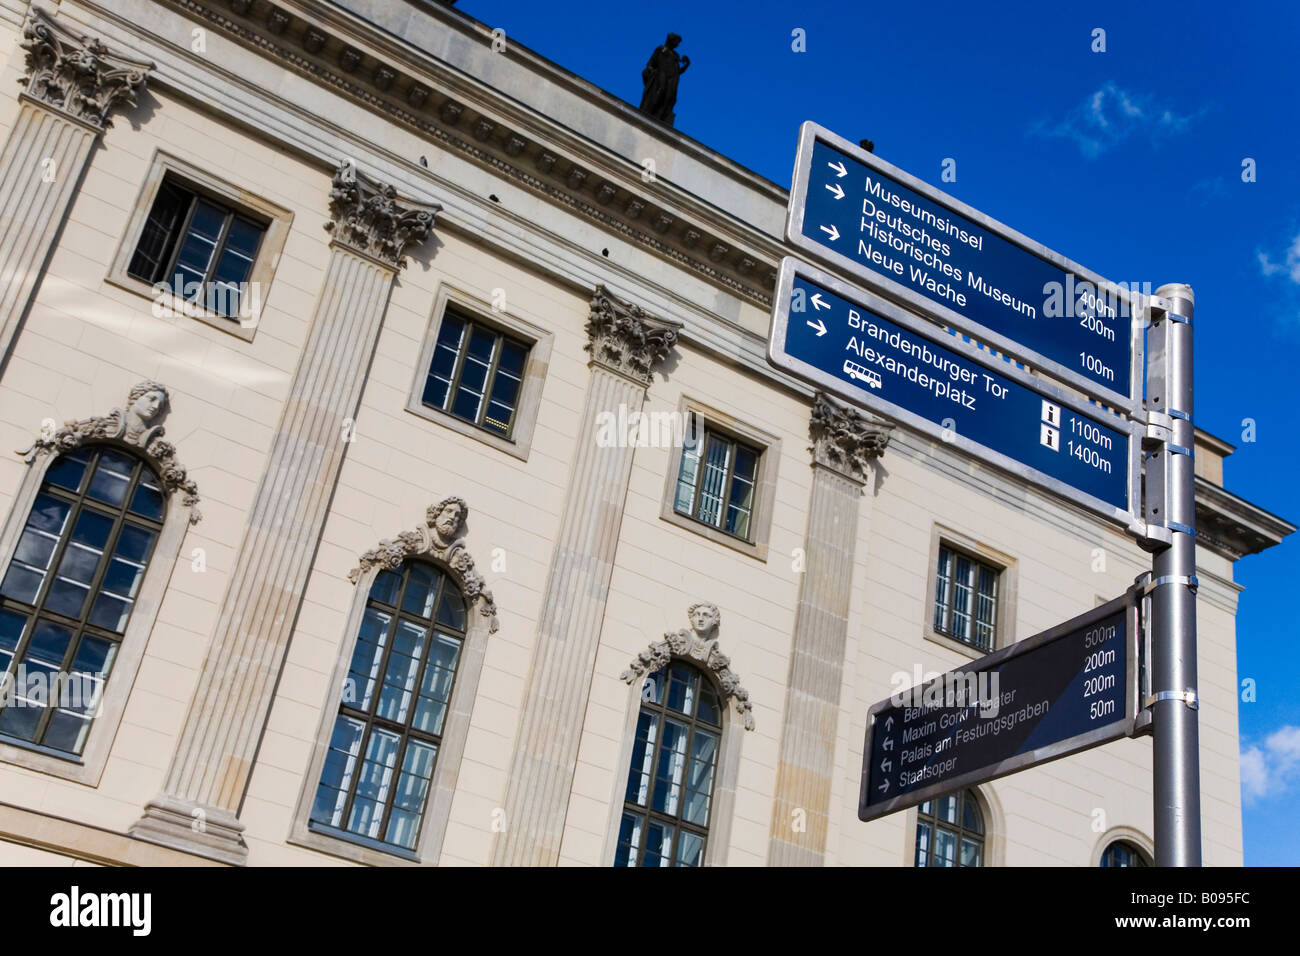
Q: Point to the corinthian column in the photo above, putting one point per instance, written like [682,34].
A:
[71,86]
[198,809]
[844,444]
[625,346]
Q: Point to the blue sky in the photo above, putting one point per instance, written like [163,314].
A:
[1128,161]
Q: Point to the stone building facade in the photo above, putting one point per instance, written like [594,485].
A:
[344,347]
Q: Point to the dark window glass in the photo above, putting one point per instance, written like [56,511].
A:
[201,249]
[950,831]
[717,480]
[476,373]
[68,593]
[386,736]
[1123,853]
[669,791]
[966,599]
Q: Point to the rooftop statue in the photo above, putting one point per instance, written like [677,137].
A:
[660,78]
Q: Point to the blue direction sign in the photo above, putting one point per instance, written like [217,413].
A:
[921,246]
[871,352]
[1059,692]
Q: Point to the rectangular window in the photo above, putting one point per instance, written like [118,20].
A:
[717,480]
[966,599]
[476,374]
[201,249]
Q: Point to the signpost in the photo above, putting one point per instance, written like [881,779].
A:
[871,352]
[953,269]
[959,267]
[1068,689]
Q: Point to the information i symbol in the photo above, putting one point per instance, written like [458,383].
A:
[1048,434]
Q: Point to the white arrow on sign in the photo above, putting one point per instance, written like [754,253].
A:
[819,326]
[836,190]
[885,765]
[889,723]
[840,171]
[888,744]
[818,302]
[831,231]
[884,787]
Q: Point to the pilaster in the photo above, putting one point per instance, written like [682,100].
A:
[845,443]
[626,345]
[72,86]
[198,809]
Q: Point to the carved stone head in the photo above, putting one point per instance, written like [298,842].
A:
[705,618]
[447,517]
[145,405]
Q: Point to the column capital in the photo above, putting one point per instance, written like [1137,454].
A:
[623,338]
[78,76]
[367,217]
[845,439]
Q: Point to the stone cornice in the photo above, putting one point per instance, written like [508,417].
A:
[367,217]
[77,76]
[845,439]
[416,90]
[624,339]
[1233,526]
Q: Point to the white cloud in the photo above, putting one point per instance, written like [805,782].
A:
[1269,768]
[1112,115]
[1290,266]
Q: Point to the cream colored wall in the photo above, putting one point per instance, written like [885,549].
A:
[660,570]
[86,342]
[397,466]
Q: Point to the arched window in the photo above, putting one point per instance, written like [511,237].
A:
[68,592]
[1123,853]
[674,760]
[950,831]
[386,736]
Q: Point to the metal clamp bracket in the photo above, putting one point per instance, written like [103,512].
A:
[1188,697]
[1178,526]
[1191,581]
[1160,428]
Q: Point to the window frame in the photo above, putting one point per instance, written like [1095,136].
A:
[734,445]
[538,341]
[446,771]
[766,474]
[1124,834]
[404,730]
[664,712]
[726,775]
[88,768]
[959,829]
[1004,628]
[79,502]
[471,324]
[230,214]
[238,202]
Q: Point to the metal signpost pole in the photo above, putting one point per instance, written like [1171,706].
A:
[1173,646]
